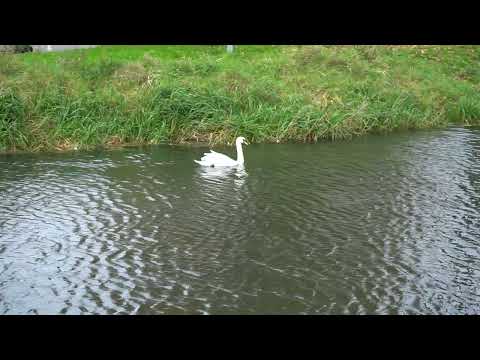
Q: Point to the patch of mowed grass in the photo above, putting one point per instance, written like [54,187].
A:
[114,95]
[10,65]
[93,72]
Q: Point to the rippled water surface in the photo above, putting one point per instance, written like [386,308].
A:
[378,225]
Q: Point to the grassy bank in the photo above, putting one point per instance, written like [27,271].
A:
[153,94]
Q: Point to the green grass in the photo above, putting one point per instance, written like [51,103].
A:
[115,95]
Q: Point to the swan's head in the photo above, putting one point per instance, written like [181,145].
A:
[241,140]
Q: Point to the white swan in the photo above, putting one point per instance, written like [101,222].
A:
[216,159]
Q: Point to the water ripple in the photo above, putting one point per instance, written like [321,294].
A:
[379,225]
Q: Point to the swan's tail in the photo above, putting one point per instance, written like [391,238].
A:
[203,163]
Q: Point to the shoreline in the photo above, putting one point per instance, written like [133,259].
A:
[204,144]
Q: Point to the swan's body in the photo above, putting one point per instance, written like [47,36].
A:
[214,158]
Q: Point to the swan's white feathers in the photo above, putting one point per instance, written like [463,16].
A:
[216,159]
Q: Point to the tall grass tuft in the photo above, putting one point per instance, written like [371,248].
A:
[12,120]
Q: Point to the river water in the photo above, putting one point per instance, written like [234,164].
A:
[377,225]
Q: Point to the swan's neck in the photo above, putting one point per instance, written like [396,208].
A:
[240,158]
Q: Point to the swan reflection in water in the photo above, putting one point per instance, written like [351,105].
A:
[221,174]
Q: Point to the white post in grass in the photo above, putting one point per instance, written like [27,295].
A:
[229,48]
[49,47]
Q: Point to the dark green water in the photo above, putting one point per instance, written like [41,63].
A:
[379,225]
